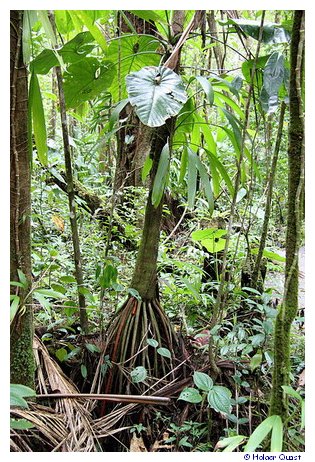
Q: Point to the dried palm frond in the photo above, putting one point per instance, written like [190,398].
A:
[49,429]
[80,437]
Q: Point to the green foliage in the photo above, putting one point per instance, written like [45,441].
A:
[271,424]
[161,175]
[272,33]
[219,398]
[157,93]
[18,393]
[86,79]
[139,374]
[38,119]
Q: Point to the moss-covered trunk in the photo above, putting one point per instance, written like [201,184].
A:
[145,274]
[289,307]
[21,340]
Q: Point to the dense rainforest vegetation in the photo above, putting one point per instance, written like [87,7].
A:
[157,228]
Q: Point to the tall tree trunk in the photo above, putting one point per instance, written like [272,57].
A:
[289,307]
[22,330]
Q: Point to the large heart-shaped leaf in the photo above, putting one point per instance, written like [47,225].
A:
[157,93]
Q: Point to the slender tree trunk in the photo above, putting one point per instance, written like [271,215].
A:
[272,174]
[71,197]
[22,330]
[289,307]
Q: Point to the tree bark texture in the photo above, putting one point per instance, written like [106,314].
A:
[22,330]
[289,307]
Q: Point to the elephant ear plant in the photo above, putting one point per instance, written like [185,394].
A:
[157,95]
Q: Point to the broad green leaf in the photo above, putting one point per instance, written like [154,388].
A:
[277,435]
[151,16]
[219,398]
[146,168]
[202,381]
[44,19]
[165,352]
[255,361]
[49,293]
[185,121]
[210,238]
[18,393]
[272,81]
[139,374]
[21,390]
[260,433]
[88,22]
[209,233]
[131,53]
[67,279]
[64,22]
[59,288]
[272,32]
[38,118]
[230,443]
[191,395]
[20,424]
[14,307]
[86,79]
[152,342]
[72,52]
[61,354]
[29,19]
[16,400]
[270,255]
[157,93]
[207,88]
[192,177]
[161,176]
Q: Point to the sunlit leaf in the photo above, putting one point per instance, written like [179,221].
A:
[157,93]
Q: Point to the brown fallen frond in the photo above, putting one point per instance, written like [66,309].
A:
[80,437]
[48,431]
